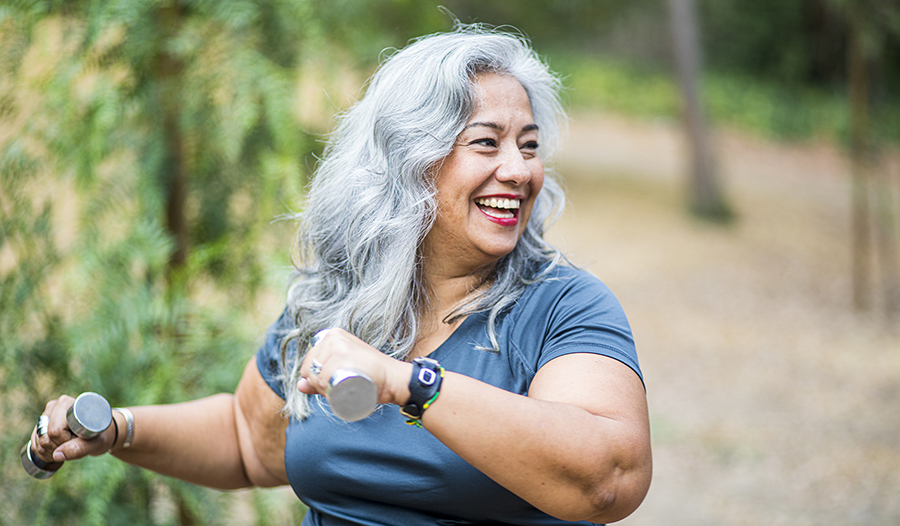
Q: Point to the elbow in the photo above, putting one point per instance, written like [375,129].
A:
[604,499]
[619,495]
[609,506]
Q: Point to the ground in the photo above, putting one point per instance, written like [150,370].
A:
[771,400]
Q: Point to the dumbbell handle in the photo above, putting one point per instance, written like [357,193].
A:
[88,417]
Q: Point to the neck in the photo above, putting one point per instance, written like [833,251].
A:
[445,294]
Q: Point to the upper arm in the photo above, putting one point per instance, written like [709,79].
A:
[599,384]
[261,429]
[610,390]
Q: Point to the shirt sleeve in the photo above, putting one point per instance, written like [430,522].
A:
[268,358]
[582,315]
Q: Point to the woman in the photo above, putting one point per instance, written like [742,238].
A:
[423,238]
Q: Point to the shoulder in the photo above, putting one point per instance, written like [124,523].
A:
[269,357]
[565,285]
[568,311]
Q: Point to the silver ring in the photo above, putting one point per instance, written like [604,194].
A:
[315,367]
[42,425]
[318,337]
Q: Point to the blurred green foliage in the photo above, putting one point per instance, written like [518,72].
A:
[104,104]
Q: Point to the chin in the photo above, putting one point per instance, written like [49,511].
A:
[497,253]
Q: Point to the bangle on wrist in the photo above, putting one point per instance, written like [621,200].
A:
[129,426]
[115,436]
[424,388]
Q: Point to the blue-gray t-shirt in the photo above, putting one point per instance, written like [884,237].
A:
[381,471]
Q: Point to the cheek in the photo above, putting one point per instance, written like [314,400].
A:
[537,180]
[536,184]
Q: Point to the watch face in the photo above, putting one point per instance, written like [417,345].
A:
[426,377]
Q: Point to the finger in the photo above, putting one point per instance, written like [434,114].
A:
[41,446]
[318,337]
[58,428]
[311,366]
[307,371]
[77,448]
[305,387]
[41,443]
[315,383]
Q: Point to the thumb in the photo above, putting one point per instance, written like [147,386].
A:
[75,449]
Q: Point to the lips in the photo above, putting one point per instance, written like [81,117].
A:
[502,210]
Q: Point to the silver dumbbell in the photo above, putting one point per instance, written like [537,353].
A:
[351,394]
[88,416]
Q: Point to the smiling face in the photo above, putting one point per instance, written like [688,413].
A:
[487,185]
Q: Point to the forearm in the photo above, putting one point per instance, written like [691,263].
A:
[562,459]
[193,441]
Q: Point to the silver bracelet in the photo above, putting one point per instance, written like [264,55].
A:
[129,426]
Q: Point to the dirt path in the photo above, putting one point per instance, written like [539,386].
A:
[771,401]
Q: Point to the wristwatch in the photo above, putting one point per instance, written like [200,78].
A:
[424,387]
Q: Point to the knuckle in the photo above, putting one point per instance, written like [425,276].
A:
[41,442]
[56,434]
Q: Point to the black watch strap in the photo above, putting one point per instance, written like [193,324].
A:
[424,388]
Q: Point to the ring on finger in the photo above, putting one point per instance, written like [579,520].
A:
[315,367]
[42,425]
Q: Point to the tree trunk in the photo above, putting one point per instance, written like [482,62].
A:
[886,237]
[860,158]
[174,178]
[705,195]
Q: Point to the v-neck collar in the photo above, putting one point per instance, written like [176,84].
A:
[452,342]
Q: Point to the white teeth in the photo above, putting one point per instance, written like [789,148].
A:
[493,202]
[498,213]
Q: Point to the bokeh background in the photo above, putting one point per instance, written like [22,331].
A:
[733,175]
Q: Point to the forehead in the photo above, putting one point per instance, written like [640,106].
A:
[501,95]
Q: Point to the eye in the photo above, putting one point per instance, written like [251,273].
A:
[529,149]
[485,141]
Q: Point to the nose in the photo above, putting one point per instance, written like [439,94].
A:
[513,168]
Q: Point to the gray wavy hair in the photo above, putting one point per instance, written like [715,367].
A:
[372,198]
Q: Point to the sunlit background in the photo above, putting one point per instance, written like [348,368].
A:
[733,175]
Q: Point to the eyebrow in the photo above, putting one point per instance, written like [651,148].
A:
[495,126]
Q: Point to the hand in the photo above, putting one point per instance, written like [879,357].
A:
[59,443]
[340,349]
